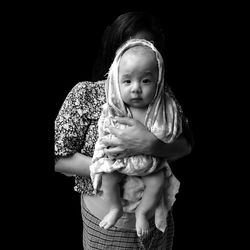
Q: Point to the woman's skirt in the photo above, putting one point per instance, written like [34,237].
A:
[115,238]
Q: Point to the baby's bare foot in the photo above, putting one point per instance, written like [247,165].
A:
[111,218]
[142,225]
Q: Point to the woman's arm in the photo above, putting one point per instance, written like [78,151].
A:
[137,139]
[70,129]
[78,164]
[172,151]
[178,148]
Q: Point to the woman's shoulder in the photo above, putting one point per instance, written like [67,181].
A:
[88,92]
[87,98]
[89,88]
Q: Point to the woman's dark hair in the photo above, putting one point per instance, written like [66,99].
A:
[124,27]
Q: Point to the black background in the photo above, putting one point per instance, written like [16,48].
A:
[60,45]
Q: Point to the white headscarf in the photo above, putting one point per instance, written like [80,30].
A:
[161,118]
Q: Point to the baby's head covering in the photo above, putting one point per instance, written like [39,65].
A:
[161,117]
[113,94]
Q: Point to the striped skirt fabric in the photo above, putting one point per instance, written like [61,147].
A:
[95,238]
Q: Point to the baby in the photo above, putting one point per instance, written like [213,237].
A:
[135,88]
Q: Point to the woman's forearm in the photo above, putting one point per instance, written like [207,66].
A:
[135,139]
[171,151]
[78,164]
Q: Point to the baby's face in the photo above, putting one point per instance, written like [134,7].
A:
[138,75]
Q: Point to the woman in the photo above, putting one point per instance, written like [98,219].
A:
[76,135]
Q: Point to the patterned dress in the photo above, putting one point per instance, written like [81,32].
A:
[76,131]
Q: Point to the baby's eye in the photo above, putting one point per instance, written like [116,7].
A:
[126,81]
[146,80]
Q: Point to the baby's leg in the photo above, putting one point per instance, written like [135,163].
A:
[151,196]
[111,193]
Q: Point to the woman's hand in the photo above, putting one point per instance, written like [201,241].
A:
[134,139]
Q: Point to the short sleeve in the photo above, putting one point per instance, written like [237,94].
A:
[71,123]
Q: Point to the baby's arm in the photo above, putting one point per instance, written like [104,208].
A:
[99,146]
[100,162]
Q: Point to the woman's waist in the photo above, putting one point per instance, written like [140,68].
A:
[99,208]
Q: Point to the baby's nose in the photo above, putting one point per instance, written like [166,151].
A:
[136,87]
